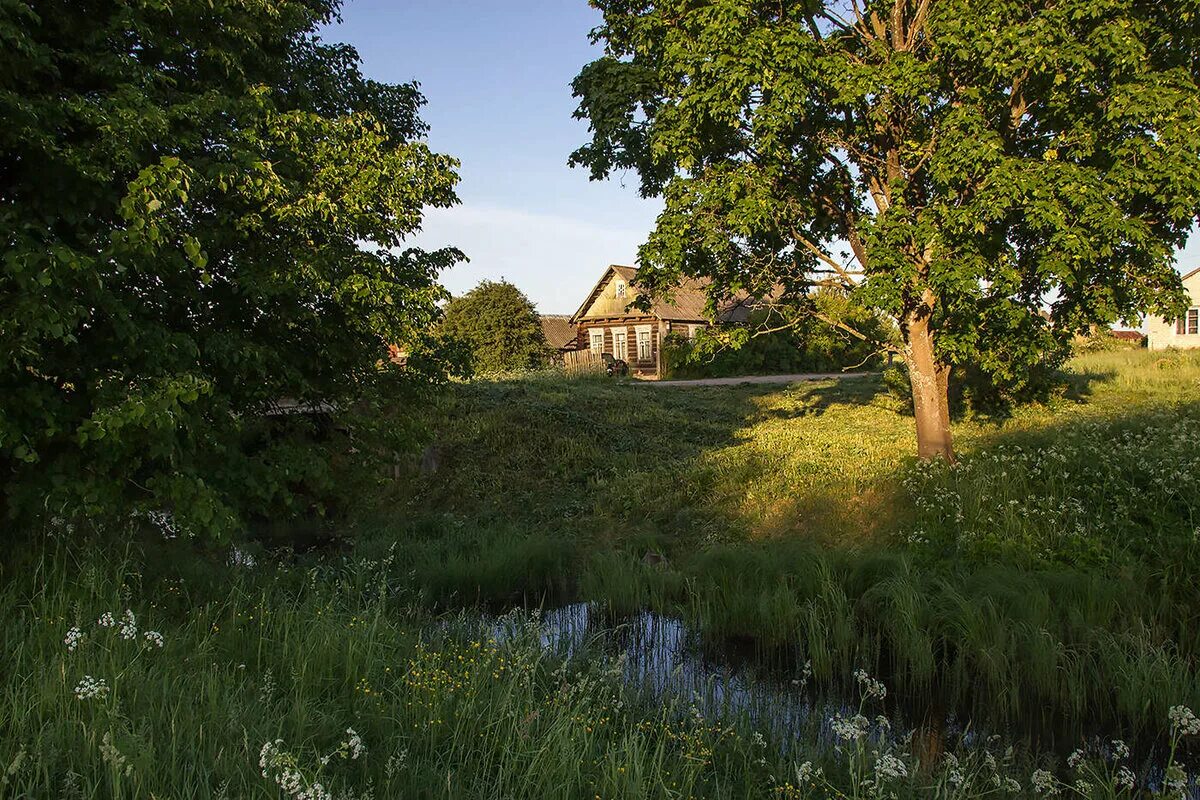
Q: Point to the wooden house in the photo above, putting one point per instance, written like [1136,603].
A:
[607,322]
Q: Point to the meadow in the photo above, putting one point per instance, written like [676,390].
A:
[1040,591]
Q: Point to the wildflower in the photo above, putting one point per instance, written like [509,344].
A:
[155,638]
[354,745]
[128,625]
[805,773]
[1125,779]
[113,756]
[889,767]
[1083,787]
[1012,785]
[1175,782]
[1119,750]
[955,776]
[870,686]
[106,620]
[1076,758]
[90,688]
[1184,721]
[849,729]
[1044,783]
[73,638]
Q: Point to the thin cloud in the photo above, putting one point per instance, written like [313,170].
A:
[554,259]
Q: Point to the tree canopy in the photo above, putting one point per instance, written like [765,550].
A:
[202,207]
[958,166]
[499,325]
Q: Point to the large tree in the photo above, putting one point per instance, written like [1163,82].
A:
[499,326]
[201,209]
[957,165]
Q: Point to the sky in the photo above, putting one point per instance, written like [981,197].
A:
[497,77]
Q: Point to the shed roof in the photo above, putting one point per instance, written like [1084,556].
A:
[558,330]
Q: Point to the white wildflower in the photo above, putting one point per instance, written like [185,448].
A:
[155,638]
[1076,758]
[90,688]
[1083,787]
[1012,785]
[849,728]
[73,638]
[106,620]
[354,745]
[1175,782]
[1119,750]
[1125,779]
[805,773]
[1184,721]
[1044,783]
[128,625]
[870,686]
[889,767]
[113,756]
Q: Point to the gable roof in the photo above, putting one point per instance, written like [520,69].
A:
[684,303]
[1190,274]
[558,330]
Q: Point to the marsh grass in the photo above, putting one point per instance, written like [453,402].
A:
[1042,585]
[332,680]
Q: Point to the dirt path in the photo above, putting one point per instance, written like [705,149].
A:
[797,378]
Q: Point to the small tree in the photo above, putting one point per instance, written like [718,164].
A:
[200,208]
[500,326]
[954,164]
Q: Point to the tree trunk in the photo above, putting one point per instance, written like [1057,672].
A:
[930,389]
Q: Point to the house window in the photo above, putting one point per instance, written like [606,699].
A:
[621,289]
[596,341]
[1189,324]
[620,343]
[643,345]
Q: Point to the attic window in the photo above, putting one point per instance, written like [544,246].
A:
[621,289]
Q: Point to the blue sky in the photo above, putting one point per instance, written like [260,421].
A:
[498,80]
[497,77]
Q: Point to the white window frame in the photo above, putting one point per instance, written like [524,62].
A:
[1189,324]
[620,290]
[596,340]
[646,331]
[620,346]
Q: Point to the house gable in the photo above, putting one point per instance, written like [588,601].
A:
[611,296]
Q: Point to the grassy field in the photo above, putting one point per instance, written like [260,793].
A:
[1044,583]
[1042,589]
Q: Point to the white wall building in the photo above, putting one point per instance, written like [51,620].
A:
[1183,332]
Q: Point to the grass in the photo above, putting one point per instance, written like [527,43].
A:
[1043,590]
[1051,568]
[163,672]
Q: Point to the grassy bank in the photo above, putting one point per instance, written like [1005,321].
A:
[1042,584]
[171,674]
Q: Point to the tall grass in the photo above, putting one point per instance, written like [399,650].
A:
[171,675]
[1044,583]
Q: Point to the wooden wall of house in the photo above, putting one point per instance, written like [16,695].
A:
[635,365]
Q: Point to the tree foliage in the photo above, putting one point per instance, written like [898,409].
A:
[202,207]
[500,327]
[957,165]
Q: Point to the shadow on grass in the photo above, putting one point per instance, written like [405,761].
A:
[1041,586]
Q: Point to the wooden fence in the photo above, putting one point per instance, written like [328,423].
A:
[583,362]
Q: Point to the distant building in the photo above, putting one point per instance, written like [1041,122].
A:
[608,323]
[1182,332]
